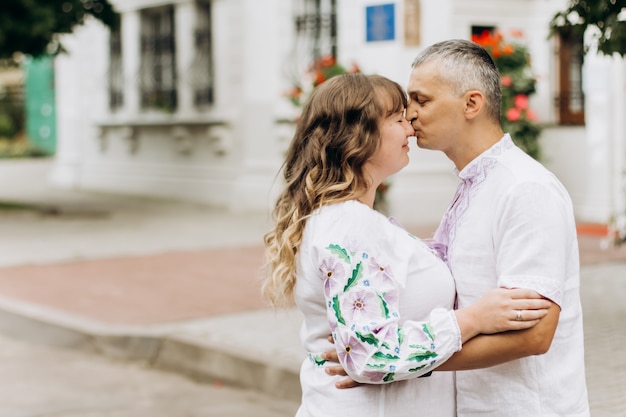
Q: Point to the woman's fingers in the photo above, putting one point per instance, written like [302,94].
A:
[526,299]
[331,356]
[335,370]
[522,325]
[543,304]
[528,315]
[347,383]
[523,293]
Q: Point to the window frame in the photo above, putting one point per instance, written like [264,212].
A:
[158,73]
[569,62]
[316,27]
[115,76]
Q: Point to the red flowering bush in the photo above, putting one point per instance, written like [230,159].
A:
[319,71]
[518,83]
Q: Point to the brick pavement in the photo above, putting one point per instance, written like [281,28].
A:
[148,289]
[173,286]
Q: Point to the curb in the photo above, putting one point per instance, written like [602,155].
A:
[243,350]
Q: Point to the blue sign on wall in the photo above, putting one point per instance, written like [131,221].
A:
[380,22]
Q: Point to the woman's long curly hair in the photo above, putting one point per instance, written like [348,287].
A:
[337,133]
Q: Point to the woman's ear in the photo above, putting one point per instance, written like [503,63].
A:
[474,103]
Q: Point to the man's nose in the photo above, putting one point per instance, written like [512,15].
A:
[411,111]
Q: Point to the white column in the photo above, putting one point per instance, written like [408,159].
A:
[259,66]
[184,26]
[131,61]
[79,100]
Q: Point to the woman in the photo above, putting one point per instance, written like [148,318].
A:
[385,295]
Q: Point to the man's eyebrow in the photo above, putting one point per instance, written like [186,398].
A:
[415,93]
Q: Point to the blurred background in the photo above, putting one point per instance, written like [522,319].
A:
[140,147]
[196,100]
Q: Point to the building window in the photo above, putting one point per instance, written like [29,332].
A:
[158,59]
[570,100]
[116,73]
[316,29]
[201,73]
[479,30]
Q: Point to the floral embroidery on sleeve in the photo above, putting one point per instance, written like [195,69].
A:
[362,306]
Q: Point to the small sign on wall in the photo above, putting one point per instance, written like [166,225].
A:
[380,22]
[412,27]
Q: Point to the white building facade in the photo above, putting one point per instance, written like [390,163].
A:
[187,100]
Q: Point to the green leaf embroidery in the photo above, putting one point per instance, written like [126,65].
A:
[318,360]
[400,336]
[368,338]
[384,306]
[376,366]
[428,330]
[357,272]
[339,251]
[388,377]
[422,356]
[385,357]
[419,368]
[337,310]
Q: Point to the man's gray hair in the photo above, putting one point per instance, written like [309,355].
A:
[466,66]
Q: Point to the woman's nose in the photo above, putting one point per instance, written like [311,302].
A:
[408,127]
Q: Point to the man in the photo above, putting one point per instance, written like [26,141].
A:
[510,224]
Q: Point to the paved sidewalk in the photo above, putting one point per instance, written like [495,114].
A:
[43,381]
[176,286]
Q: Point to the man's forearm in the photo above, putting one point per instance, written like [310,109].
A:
[489,350]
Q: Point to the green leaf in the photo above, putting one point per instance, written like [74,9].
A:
[368,338]
[337,310]
[428,330]
[419,368]
[422,356]
[385,357]
[318,360]
[339,251]
[384,306]
[357,272]
[389,377]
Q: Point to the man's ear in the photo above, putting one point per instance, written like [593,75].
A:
[474,103]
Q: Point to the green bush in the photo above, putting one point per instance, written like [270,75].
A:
[19,149]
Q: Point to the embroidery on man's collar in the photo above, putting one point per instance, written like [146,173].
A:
[471,177]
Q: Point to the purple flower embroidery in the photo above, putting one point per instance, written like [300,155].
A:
[381,271]
[361,306]
[374,376]
[391,297]
[352,352]
[334,274]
